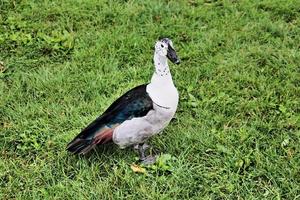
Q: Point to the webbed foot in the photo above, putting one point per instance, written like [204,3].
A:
[149,160]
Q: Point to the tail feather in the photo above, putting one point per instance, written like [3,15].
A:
[78,145]
[87,149]
[83,146]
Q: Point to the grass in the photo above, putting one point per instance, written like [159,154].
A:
[236,133]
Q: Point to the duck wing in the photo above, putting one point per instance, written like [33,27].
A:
[134,103]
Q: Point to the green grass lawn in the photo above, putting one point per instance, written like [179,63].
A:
[236,133]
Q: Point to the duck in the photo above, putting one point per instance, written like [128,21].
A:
[137,115]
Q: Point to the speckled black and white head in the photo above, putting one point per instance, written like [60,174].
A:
[164,47]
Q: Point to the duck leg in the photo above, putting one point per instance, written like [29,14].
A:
[147,160]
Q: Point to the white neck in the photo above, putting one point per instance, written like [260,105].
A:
[162,71]
[161,88]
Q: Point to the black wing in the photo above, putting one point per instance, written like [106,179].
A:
[134,103]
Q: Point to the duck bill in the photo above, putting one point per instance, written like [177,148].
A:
[172,56]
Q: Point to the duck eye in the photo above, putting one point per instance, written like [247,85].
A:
[162,45]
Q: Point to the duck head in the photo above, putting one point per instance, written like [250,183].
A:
[164,47]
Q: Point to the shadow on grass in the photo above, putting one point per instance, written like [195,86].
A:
[107,153]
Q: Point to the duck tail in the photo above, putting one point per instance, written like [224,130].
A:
[81,145]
